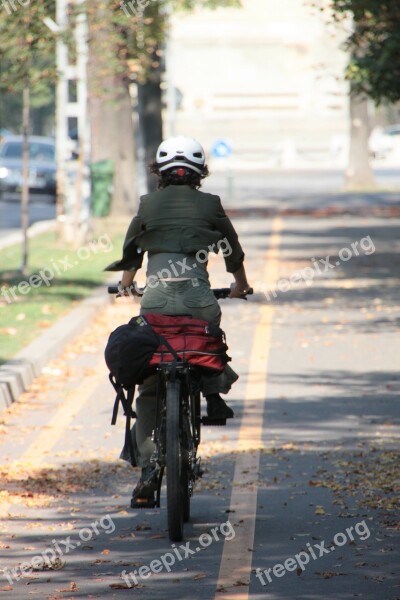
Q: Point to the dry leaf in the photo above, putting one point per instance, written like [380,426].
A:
[120,586]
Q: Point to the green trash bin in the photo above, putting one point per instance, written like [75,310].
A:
[102,175]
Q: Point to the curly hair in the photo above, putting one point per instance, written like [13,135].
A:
[170,177]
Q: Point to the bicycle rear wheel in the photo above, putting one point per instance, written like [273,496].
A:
[177,465]
[185,482]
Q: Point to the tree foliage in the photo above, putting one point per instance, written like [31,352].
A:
[27,47]
[374,45]
[27,58]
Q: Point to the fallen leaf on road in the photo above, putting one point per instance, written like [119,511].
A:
[329,574]
[100,561]
[122,586]
[142,527]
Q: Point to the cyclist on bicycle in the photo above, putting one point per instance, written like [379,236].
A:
[178,226]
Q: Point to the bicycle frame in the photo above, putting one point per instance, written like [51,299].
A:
[190,418]
[177,431]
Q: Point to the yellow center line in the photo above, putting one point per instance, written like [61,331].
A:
[56,427]
[235,568]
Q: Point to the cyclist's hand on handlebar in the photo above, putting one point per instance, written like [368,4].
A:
[129,290]
[123,291]
[237,292]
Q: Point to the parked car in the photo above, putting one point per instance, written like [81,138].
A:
[42,166]
[382,141]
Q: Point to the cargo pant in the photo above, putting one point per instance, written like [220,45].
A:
[192,297]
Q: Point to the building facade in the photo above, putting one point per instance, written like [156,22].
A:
[268,77]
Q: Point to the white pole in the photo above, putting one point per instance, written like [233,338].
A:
[82,209]
[61,105]
[171,92]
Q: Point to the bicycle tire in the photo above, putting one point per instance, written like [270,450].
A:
[185,485]
[189,445]
[197,417]
[175,466]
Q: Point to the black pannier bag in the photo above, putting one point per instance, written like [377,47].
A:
[127,354]
[129,350]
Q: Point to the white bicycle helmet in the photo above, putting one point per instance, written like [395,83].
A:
[180,152]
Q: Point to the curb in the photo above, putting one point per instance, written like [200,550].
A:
[17,374]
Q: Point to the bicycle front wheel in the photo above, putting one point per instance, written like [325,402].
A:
[177,477]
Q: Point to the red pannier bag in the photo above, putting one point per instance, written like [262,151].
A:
[194,340]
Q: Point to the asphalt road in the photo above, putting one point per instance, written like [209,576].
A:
[41,208]
[298,498]
[291,188]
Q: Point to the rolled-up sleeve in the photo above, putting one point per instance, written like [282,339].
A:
[233,255]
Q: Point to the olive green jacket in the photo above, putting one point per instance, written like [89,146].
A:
[179,219]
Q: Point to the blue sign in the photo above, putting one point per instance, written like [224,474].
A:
[221,149]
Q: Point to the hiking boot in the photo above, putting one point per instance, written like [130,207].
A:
[217,408]
[143,496]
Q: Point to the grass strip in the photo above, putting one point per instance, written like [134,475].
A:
[60,276]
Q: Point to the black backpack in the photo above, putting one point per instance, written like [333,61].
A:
[127,354]
[129,350]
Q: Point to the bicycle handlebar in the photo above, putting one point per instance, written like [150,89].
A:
[224,293]
[136,291]
[114,289]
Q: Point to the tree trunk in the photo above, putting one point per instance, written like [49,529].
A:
[125,195]
[25,177]
[359,173]
[150,120]
[113,139]
[110,109]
